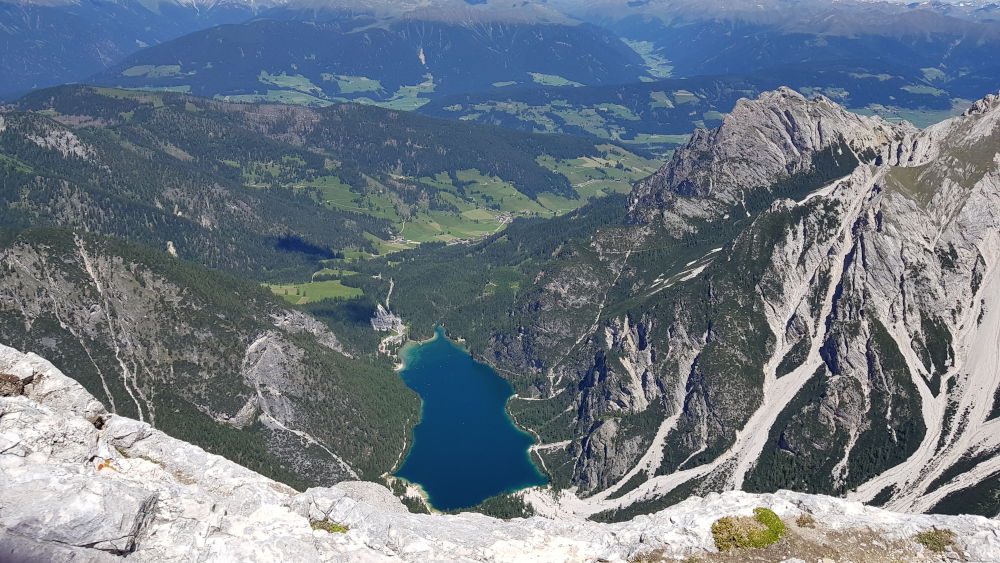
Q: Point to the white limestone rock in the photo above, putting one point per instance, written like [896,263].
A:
[20,549]
[46,384]
[75,509]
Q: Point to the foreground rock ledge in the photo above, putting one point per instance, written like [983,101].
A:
[80,484]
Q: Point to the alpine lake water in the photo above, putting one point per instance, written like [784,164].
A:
[466,448]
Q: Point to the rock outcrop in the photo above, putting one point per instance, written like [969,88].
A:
[81,484]
[760,143]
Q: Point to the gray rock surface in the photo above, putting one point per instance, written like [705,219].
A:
[760,142]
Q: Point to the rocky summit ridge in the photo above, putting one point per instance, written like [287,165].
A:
[761,142]
[81,484]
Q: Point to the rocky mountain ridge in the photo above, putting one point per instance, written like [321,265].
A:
[762,142]
[825,326]
[85,485]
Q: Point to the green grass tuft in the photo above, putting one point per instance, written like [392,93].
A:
[936,540]
[732,532]
[331,527]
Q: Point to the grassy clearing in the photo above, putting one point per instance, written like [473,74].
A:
[388,246]
[933,74]
[656,143]
[861,75]
[541,115]
[685,97]
[660,99]
[143,96]
[465,204]
[406,98]
[403,104]
[302,293]
[353,84]
[153,71]
[182,89]
[295,82]
[336,193]
[334,272]
[923,89]
[17,165]
[552,80]
[614,172]
[918,117]
[605,120]
[838,94]
[289,97]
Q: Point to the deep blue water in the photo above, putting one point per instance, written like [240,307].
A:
[465,448]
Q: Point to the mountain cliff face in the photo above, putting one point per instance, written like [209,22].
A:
[764,141]
[803,298]
[83,484]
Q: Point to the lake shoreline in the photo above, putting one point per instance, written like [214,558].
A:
[467,447]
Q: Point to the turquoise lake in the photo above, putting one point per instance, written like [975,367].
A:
[465,448]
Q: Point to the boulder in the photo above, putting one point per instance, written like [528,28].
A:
[51,504]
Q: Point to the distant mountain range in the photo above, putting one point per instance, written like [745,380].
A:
[658,115]
[401,64]
[48,43]
[801,298]
[642,73]
[401,53]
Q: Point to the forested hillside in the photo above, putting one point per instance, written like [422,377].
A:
[209,358]
[270,190]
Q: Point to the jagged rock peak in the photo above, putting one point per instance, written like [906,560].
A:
[984,105]
[763,141]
